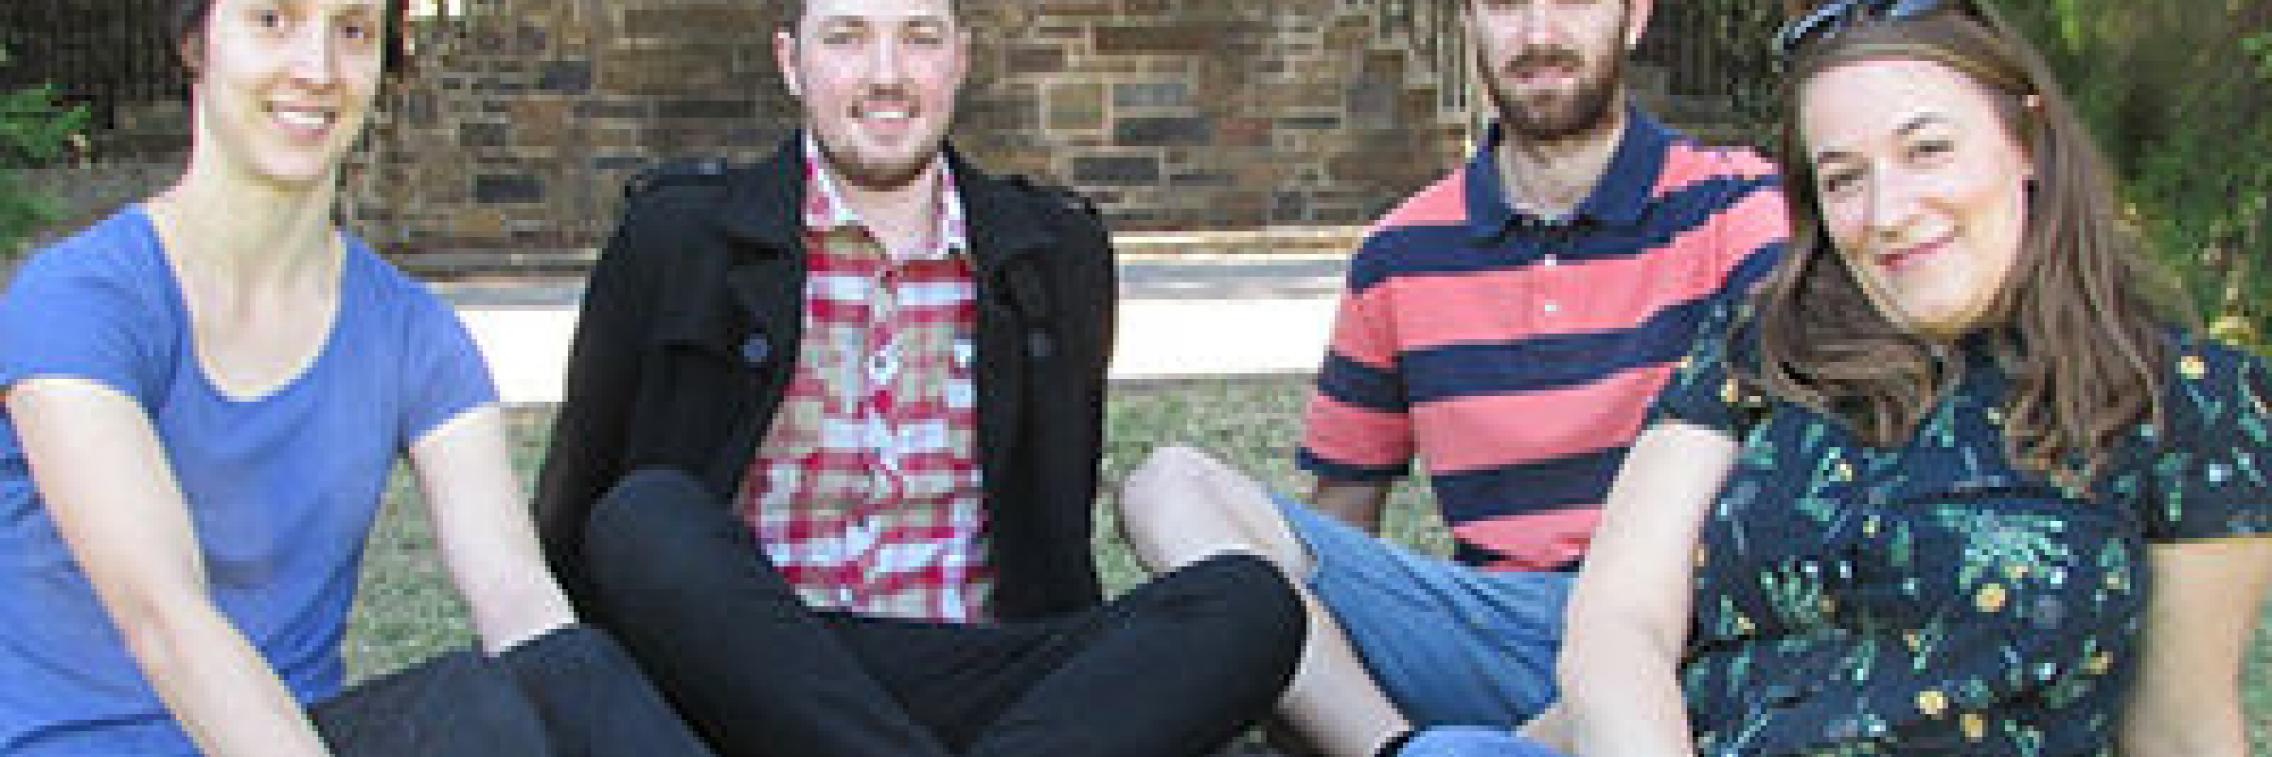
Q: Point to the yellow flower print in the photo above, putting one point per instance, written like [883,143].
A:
[1991,598]
[1729,393]
[2192,368]
[1975,727]
[1932,702]
[2099,664]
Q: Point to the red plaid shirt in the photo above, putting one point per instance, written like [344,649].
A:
[866,491]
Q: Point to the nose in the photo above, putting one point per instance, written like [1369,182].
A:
[887,62]
[313,56]
[1891,202]
[1534,25]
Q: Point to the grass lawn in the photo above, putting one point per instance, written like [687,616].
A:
[408,612]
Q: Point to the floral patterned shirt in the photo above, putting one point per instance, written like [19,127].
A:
[1935,599]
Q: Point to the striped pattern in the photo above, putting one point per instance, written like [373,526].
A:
[1516,356]
[865,492]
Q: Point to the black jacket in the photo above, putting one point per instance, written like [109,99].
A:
[692,320]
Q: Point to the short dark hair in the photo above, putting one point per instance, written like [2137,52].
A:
[189,16]
[793,11]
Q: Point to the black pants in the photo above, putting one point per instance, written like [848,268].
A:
[569,693]
[1175,668]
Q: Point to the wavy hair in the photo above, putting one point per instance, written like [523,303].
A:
[2080,321]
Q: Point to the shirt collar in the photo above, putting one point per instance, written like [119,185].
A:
[826,210]
[1620,197]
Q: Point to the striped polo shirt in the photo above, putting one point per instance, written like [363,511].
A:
[1515,356]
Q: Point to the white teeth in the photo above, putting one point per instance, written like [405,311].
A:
[303,119]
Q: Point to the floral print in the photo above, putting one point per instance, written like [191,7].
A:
[1935,599]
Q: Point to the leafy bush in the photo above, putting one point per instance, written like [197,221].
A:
[35,130]
[2180,95]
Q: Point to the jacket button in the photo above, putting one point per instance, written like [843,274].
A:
[755,350]
[1039,345]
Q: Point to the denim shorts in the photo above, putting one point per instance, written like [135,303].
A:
[1448,643]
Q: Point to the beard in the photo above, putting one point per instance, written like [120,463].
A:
[1561,115]
[881,173]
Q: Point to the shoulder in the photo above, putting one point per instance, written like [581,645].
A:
[391,289]
[1017,207]
[2198,363]
[116,262]
[1689,162]
[1412,234]
[1441,203]
[677,208]
[1731,179]
[677,180]
[1063,210]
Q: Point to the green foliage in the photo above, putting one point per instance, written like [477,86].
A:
[35,131]
[2180,96]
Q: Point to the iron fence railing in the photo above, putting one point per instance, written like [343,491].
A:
[1717,51]
[109,55]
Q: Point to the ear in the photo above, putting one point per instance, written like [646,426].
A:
[1637,21]
[785,61]
[962,55]
[191,48]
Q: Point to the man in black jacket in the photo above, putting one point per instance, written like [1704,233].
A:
[830,442]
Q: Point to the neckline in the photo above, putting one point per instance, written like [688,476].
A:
[187,329]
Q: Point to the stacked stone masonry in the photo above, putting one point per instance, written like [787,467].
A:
[525,117]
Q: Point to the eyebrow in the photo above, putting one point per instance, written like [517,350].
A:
[1906,128]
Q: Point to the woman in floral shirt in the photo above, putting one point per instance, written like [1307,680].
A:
[1955,484]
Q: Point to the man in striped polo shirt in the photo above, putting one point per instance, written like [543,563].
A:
[1507,326]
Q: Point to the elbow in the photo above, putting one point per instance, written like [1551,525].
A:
[2193,736]
[160,631]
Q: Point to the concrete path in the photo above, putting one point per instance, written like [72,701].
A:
[1182,317]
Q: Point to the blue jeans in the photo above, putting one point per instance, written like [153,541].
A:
[1472,741]
[1448,643]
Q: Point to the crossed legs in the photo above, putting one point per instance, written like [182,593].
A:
[1181,506]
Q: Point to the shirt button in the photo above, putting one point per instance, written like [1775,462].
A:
[1551,261]
[1551,307]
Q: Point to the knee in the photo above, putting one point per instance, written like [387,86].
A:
[1163,493]
[1255,598]
[649,515]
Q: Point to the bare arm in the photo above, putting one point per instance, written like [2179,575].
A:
[1629,612]
[1358,502]
[488,540]
[104,478]
[2204,604]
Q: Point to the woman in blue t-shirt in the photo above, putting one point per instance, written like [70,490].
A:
[204,395]
[1955,483]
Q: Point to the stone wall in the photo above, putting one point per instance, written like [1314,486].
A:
[526,118]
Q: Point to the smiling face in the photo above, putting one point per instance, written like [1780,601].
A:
[1922,188]
[282,88]
[1553,67]
[878,80]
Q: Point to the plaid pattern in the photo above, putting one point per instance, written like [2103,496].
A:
[866,491]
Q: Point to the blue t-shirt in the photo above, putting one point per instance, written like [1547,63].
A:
[282,488]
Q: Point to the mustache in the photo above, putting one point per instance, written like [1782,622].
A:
[1545,57]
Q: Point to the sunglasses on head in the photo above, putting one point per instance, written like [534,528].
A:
[1834,17]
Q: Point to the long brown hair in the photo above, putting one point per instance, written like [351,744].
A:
[2079,323]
